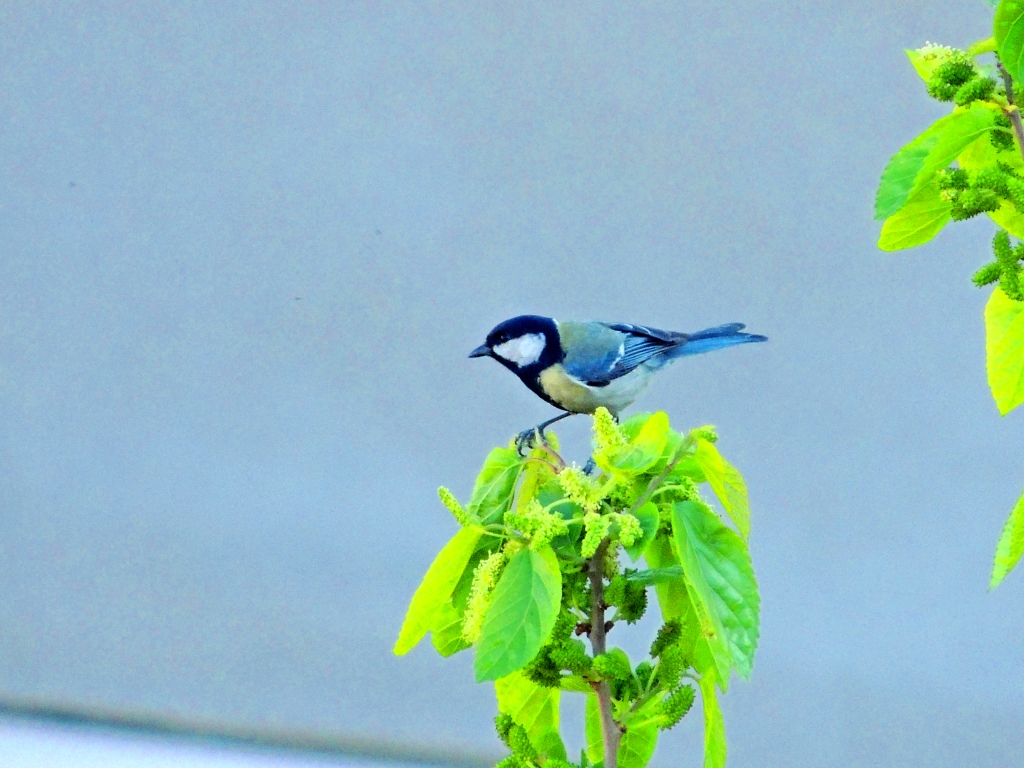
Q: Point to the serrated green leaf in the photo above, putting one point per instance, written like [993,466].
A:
[1009,34]
[1004,344]
[522,613]
[721,579]
[714,723]
[642,451]
[917,222]
[1010,546]
[446,631]
[727,483]
[648,517]
[436,588]
[912,168]
[492,493]
[534,707]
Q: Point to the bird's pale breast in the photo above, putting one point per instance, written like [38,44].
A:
[578,397]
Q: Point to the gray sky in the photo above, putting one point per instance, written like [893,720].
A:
[247,248]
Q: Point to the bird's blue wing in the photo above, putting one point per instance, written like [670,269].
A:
[599,353]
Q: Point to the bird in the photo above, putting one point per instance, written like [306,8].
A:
[579,367]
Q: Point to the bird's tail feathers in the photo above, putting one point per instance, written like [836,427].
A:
[718,337]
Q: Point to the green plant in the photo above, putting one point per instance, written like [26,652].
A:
[968,163]
[547,554]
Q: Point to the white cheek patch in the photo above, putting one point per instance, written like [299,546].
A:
[526,350]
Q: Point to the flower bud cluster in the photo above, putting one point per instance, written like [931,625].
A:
[608,436]
[629,596]
[536,523]
[580,489]
[485,579]
[959,80]
[596,527]
[707,432]
[1006,268]
[972,192]
[630,531]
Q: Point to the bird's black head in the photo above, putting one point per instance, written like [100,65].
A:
[526,345]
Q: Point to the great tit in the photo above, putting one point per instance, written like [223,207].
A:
[578,367]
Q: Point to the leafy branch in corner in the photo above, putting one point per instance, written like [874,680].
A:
[968,163]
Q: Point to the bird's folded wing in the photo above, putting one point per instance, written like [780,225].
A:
[599,353]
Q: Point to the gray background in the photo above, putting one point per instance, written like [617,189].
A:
[247,247]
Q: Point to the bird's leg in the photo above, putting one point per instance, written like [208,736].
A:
[524,440]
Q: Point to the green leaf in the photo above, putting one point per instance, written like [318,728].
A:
[642,451]
[673,599]
[1010,546]
[534,707]
[921,219]
[437,586]
[718,570]
[988,45]
[656,575]
[727,483]
[446,631]
[1004,344]
[648,517]
[1009,218]
[492,493]
[714,724]
[522,614]
[922,66]
[913,167]
[576,684]
[595,746]
[1009,34]
[637,746]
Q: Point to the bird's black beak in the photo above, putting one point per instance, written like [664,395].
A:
[482,351]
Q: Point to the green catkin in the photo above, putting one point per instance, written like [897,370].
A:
[519,743]
[544,670]
[675,707]
[987,275]
[572,655]
[536,523]
[668,635]
[503,724]
[947,78]
[596,527]
[608,436]
[1001,140]
[580,489]
[630,530]
[976,89]
[485,579]
[457,510]
[613,665]
[670,667]
[634,605]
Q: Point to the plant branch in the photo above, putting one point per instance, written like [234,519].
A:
[611,735]
[660,477]
[1012,112]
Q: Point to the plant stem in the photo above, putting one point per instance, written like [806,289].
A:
[610,732]
[1012,112]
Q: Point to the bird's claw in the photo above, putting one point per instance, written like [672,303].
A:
[526,439]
